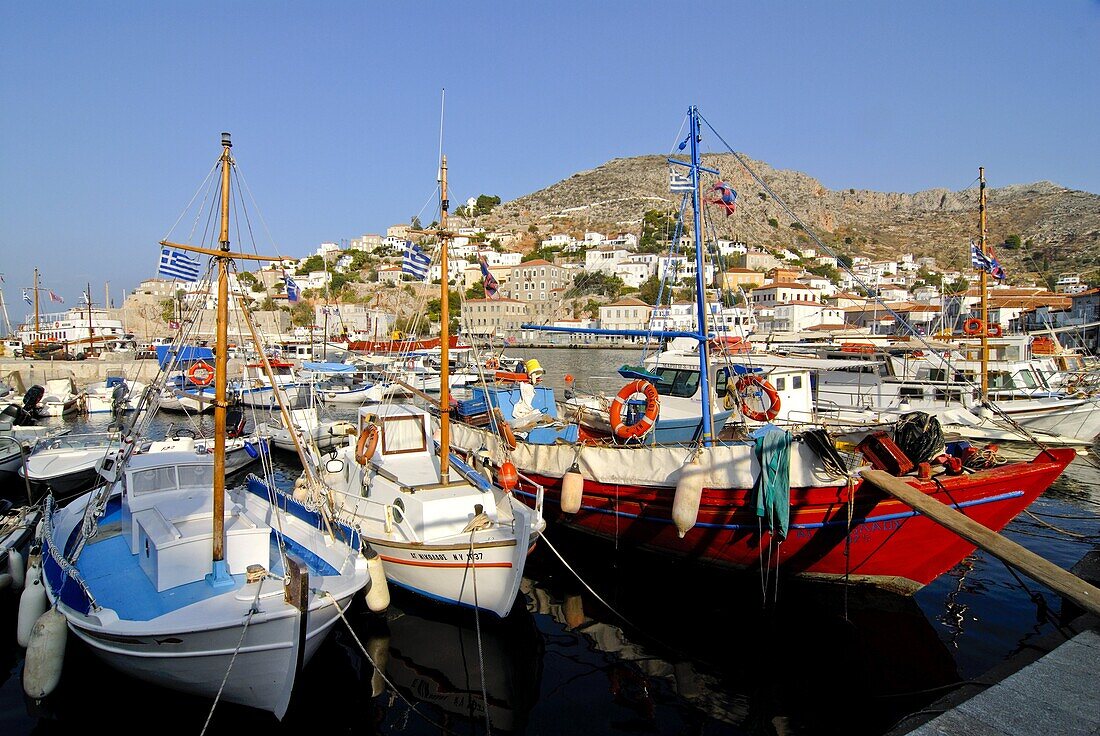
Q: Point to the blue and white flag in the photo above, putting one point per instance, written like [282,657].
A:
[292,291]
[986,262]
[27,297]
[680,182]
[177,265]
[416,261]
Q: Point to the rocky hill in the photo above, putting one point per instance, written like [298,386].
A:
[1062,225]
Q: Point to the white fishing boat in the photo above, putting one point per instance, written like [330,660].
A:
[114,394]
[61,397]
[306,427]
[170,577]
[443,530]
[257,389]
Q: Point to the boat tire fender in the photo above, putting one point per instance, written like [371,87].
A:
[367,444]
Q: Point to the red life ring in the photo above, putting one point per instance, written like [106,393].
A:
[972,326]
[652,409]
[201,373]
[995,330]
[492,364]
[367,444]
[744,384]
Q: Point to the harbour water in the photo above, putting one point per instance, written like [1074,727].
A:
[675,650]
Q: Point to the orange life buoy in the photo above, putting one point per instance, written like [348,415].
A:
[972,326]
[506,377]
[504,429]
[201,373]
[492,364]
[995,330]
[652,409]
[744,383]
[367,444]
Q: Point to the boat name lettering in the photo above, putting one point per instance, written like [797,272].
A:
[426,556]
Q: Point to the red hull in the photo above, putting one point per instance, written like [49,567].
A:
[397,346]
[890,544]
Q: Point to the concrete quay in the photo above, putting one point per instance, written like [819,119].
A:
[85,372]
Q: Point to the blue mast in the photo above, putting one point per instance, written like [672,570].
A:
[700,294]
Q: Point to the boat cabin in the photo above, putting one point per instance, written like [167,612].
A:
[166,517]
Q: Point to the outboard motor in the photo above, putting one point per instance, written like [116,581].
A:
[234,423]
[32,397]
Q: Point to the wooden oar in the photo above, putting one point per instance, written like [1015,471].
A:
[1039,568]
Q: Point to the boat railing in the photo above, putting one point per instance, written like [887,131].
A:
[540,492]
[76,442]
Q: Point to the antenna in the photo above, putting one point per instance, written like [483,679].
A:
[442,108]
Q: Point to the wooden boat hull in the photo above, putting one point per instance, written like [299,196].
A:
[889,545]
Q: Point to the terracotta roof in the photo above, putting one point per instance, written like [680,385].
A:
[495,301]
[627,301]
[536,262]
[784,285]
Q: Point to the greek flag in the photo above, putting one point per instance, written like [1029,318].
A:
[416,261]
[292,290]
[986,262]
[27,297]
[679,183]
[177,265]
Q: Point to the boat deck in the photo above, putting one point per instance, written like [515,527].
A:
[115,577]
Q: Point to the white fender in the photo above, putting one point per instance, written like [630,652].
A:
[32,604]
[689,493]
[17,567]
[378,594]
[34,569]
[5,580]
[572,489]
[45,654]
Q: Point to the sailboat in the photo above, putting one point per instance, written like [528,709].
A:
[170,577]
[443,530]
[769,499]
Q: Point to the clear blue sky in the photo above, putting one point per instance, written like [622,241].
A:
[113,110]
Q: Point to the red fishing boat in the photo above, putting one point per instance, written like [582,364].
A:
[399,346]
[761,499]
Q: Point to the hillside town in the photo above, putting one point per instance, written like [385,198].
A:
[360,288]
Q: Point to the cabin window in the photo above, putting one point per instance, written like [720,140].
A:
[911,392]
[721,380]
[780,384]
[679,382]
[201,476]
[948,394]
[403,434]
[1000,379]
[153,479]
[796,381]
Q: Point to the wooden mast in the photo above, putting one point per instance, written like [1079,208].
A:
[444,331]
[221,363]
[984,286]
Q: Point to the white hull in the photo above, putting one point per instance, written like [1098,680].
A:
[263,673]
[446,572]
